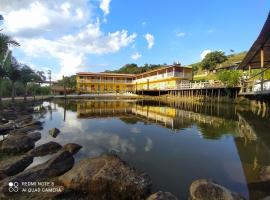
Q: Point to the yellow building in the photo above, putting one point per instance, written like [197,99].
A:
[88,82]
[165,78]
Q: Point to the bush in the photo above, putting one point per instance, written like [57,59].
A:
[229,77]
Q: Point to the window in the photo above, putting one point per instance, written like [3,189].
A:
[92,87]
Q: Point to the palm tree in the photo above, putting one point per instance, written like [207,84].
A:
[13,73]
[5,42]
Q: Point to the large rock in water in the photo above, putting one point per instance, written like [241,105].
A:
[17,144]
[45,149]
[107,177]
[26,129]
[57,165]
[15,164]
[35,136]
[72,148]
[204,189]
[162,196]
[265,174]
[54,132]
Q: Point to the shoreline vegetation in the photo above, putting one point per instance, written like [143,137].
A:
[102,177]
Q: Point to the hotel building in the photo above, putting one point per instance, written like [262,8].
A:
[164,78]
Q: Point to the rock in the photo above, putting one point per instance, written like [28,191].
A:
[10,114]
[204,189]
[107,177]
[15,164]
[35,136]
[17,144]
[4,120]
[22,120]
[162,196]
[265,173]
[2,175]
[33,123]
[26,129]
[54,132]
[45,149]
[72,148]
[266,198]
[5,128]
[57,165]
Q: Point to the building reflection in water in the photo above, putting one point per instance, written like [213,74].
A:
[250,131]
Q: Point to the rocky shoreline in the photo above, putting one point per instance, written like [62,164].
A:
[102,177]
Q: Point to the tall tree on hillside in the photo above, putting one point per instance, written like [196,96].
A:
[212,59]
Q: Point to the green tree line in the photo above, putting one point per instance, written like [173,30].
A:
[133,68]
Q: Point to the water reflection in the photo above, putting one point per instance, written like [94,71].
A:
[174,142]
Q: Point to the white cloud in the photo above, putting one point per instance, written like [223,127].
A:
[105,6]
[62,29]
[204,53]
[150,40]
[149,145]
[36,18]
[180,34]
[70,50]
[135,130]
[136,56]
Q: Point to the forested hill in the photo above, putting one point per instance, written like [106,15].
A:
[229,60]
[134,69]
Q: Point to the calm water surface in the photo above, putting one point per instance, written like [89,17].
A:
[175,143]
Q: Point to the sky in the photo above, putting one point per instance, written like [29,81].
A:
[70,36]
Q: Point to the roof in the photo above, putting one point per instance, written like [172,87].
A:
[252,58]
[104,74]
[162,68]
[128,75]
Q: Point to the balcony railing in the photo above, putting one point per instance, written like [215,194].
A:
[164,76]
[255,87]
[104,81]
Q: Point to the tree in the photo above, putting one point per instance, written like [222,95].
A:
[68,81]
[27,75]
[13,73]
[40,76]
[212,59]
[229,77]
[5,42]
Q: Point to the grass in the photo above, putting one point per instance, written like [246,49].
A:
[232,59]
[205,77]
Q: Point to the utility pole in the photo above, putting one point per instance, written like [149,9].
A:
[65,90]
[50,79]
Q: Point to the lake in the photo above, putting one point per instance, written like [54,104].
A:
[174,142]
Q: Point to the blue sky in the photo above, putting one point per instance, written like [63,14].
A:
[68,36]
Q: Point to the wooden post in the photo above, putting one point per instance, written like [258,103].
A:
[249,70]
[262,65]
[218,94]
